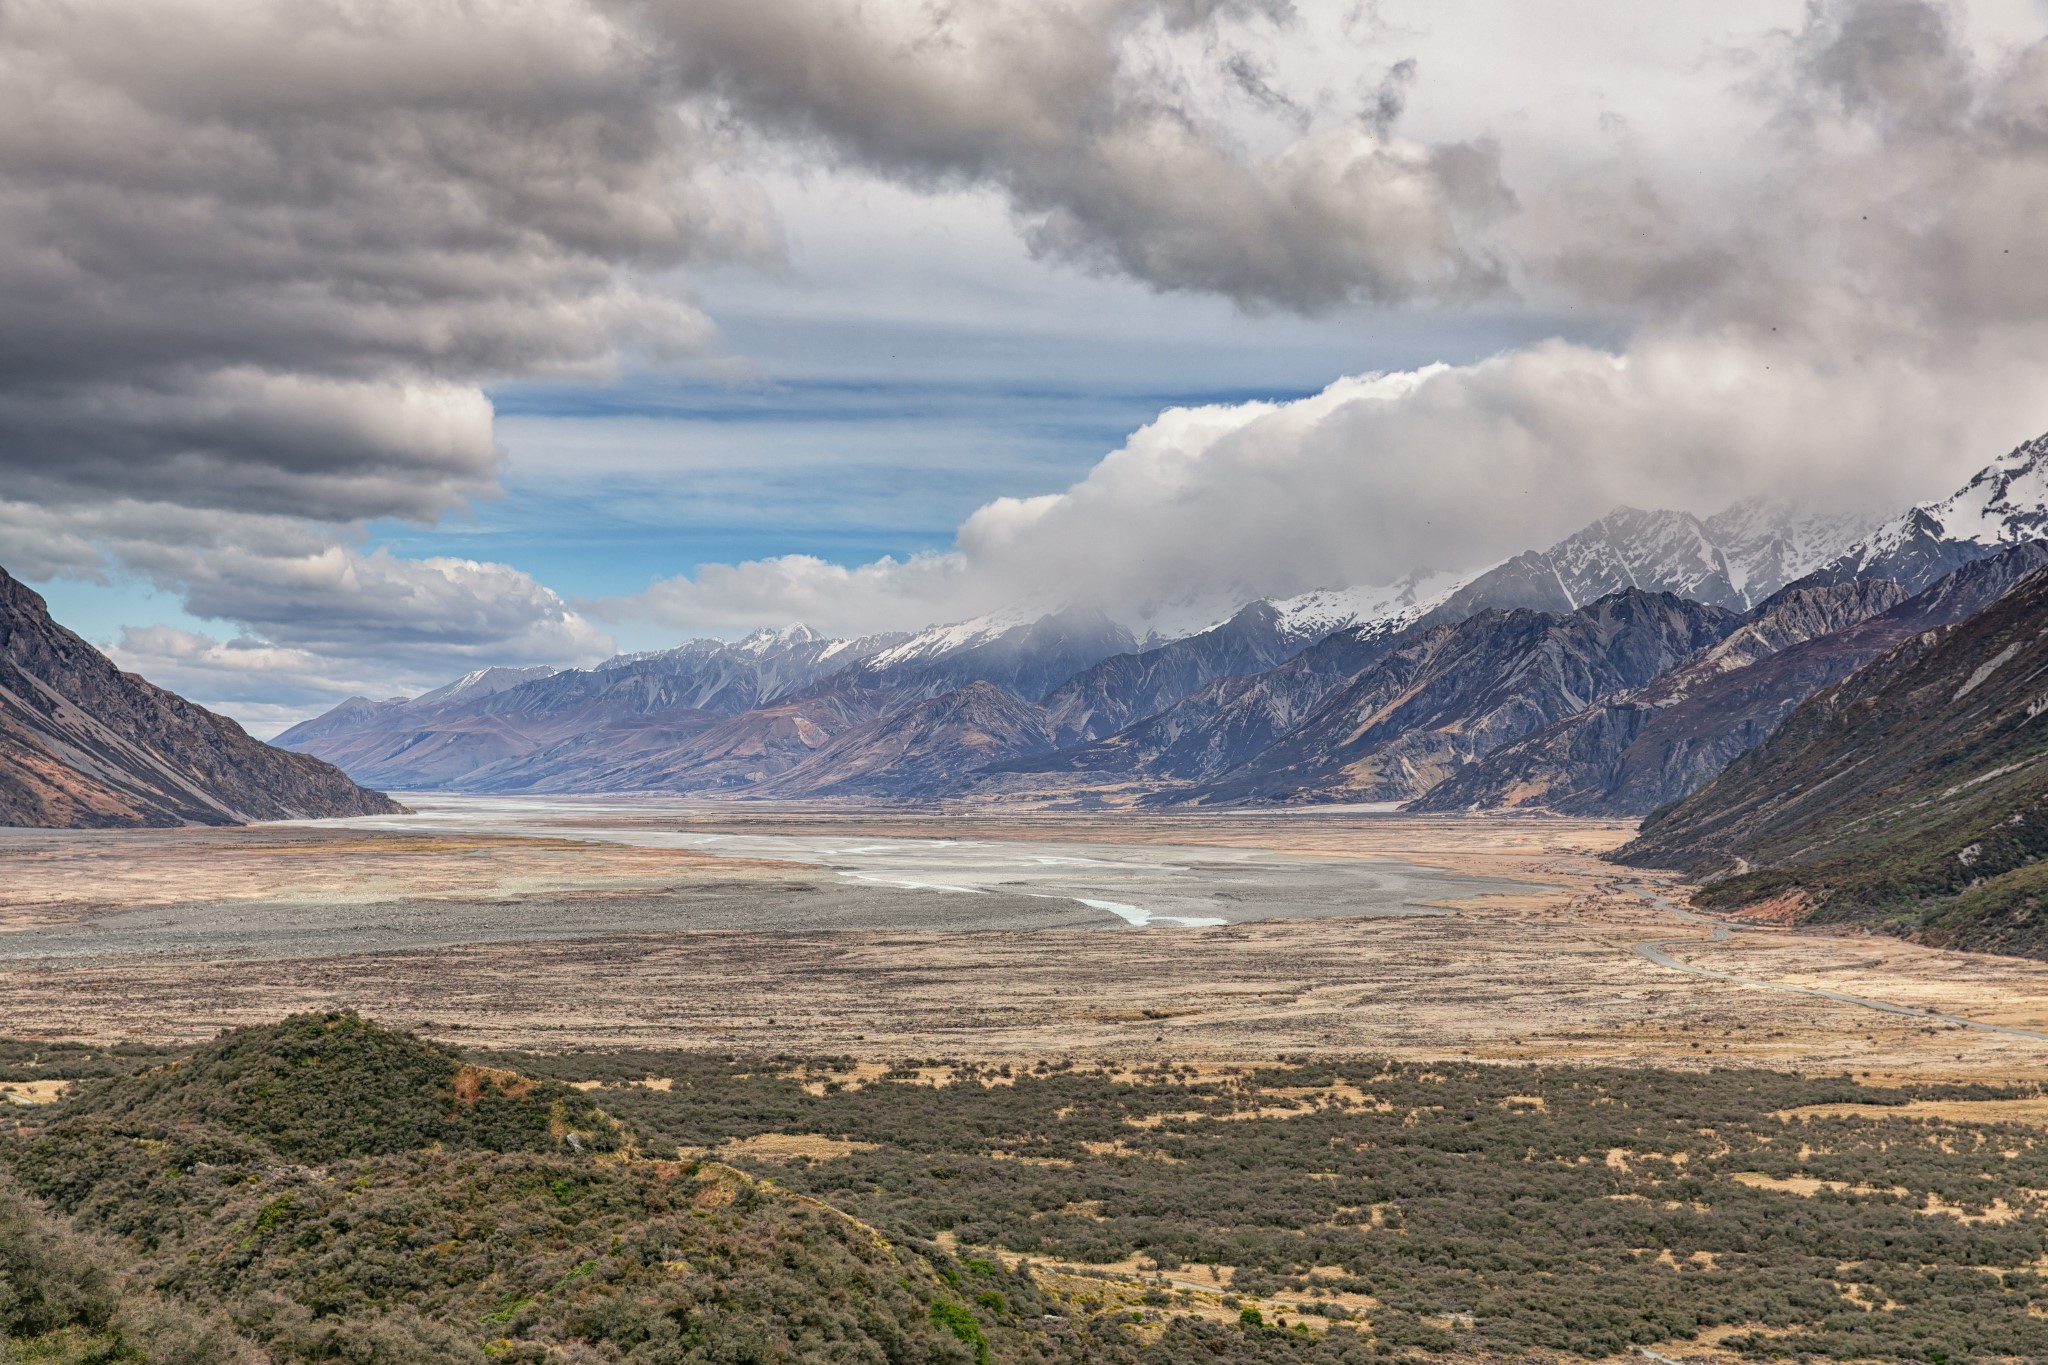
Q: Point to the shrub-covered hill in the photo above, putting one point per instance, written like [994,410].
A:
[327,1189]
[1361,1210]
[325,1087]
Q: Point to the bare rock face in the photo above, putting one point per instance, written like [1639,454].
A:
[1635,750]
[1449,695]
[84,745]
[1221,724]
[1099,701]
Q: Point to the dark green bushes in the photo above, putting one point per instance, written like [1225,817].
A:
[1493,1213]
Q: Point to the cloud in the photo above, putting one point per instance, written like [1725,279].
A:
[259,260]
[1841,301]
[264,255]
[242,438]
[1446,468]
[1115,132]
[1898,63]
[888,594]
[260,255]
[313,616]
[1875,202]
[265,687]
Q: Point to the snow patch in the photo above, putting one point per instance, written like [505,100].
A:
[1984,670]
[938,640]
[482,683]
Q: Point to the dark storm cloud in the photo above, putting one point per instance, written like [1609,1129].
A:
[1097,148]
[260,255]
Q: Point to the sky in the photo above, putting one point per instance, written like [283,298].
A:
[350,345]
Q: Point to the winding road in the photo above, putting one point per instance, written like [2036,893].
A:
[1655,951]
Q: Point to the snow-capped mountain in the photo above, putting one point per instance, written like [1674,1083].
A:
[2005,503]
[1733,559]
[1301,619]
[936,642]
[482,683]
[1313,615]
[1027,653]
[495,720]
[1766,545]
[725,715]
[795,640]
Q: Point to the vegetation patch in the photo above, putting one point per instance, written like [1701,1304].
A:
[1503,1213]
[1466,1212]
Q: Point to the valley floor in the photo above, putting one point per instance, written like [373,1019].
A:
[841,931]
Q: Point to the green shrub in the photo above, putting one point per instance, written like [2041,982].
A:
[964,1325]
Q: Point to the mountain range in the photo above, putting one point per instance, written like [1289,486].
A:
[717,716]
[1637,750]
[1913,794]
[1444,695]
[84,745]
[1612,673]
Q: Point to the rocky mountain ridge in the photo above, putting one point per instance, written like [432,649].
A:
[2003,504]
[1447,695]
[1232,711]
[712,715]
[1638,750]
[83,744]
[1914,794]
[1732,560]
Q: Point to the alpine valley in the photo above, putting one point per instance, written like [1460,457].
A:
[1614,672]
[1611,674]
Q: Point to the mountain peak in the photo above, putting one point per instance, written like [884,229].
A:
[771,638]
[483,682]
[1733,559]
[2003,503]
[2007,500]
